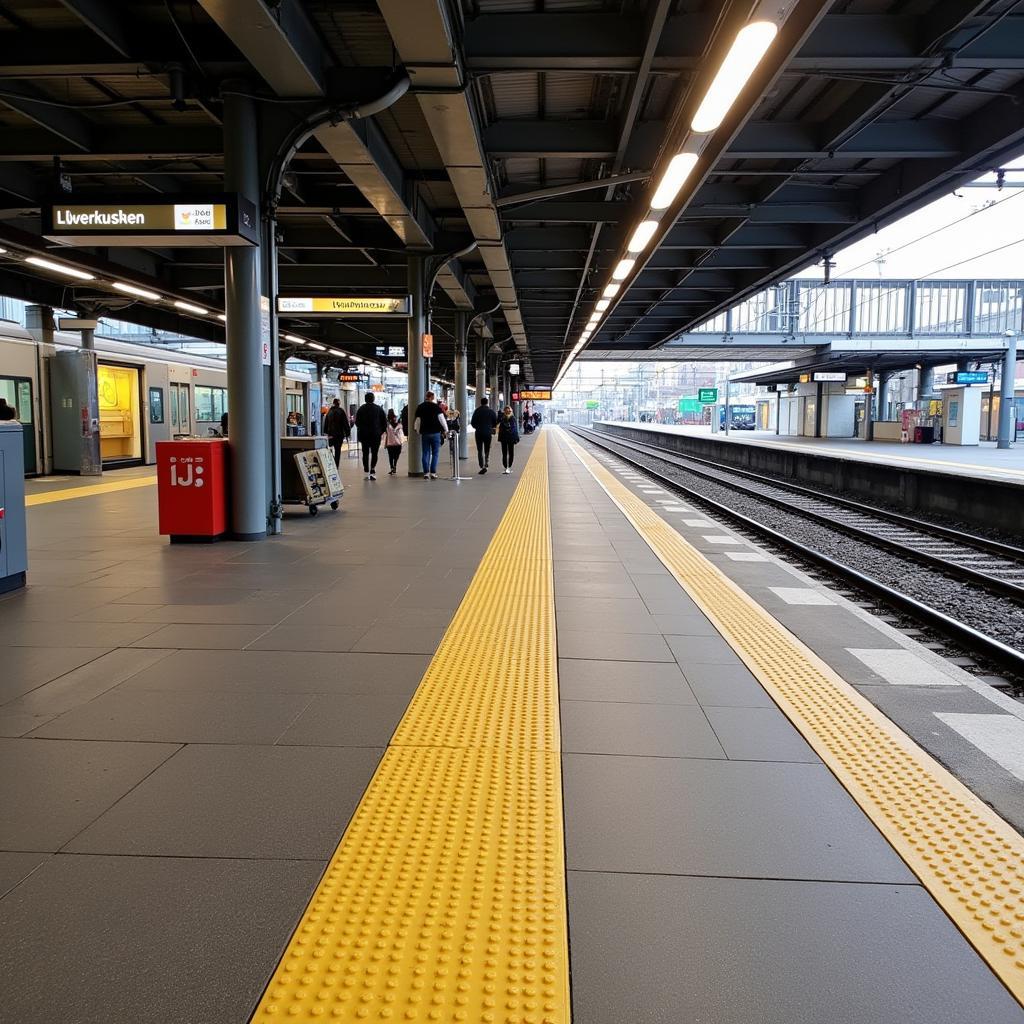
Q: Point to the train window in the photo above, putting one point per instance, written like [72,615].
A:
[211,403]
[156,405]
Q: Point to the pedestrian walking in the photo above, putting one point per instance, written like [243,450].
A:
[432,427]
[371,426]
[337,429]
[484,423]
[394,438]
[508,438]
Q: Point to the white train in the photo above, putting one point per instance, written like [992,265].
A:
[146,395]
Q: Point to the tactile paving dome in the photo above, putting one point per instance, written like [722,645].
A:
[969,859]
[445,900]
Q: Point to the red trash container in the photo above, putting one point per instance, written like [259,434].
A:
[192,488]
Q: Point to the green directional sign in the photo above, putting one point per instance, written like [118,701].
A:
[707,396]
[593,403]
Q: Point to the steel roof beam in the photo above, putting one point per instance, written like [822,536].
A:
[610,43]
[107,22]
[571,213]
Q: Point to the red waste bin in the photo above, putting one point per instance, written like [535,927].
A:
[192,488]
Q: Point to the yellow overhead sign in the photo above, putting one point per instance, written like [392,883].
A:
[535,396]
[346,305]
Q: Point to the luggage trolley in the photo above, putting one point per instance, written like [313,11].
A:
[308,474]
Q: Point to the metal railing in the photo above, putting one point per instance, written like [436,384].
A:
[871,307]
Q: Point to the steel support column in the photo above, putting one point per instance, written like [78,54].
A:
[481,369]
[1005,435]
[418,384]
[869,398]
[495,404]
[461,382]
[247,408]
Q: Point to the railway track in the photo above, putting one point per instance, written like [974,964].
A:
[967,588]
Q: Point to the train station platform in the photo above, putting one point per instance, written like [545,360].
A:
[983,461]
[417,759]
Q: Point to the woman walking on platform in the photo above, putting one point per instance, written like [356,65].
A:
[394,438]
[508,438]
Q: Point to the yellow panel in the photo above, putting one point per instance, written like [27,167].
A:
[88,490]
[969,859]
[445,899]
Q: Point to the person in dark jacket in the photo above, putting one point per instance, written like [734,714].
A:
[404,417]
[432,427]
[508,438]
[371,425]
[484,423]
[337,429]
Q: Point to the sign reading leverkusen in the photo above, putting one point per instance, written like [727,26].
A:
[218,220]
[347,305]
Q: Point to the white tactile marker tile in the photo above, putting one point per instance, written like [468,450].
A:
[746,556]
[720,538]
[801,595]
[1000,737]
[901,668]
[698,522]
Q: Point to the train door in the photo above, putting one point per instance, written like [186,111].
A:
[181,412]
[120,404]
[17,391]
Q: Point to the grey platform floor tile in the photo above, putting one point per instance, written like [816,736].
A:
[584,616]
[73,634]
[50,791]
[729,818]
[629,681]
[19,723]
[578,643]
[302,637]
[201,637]
[338,610]
[244,672]
[399,639]
[27,668]
[647,730]
[16,867]
[125,714]
[352,720]
[147,940]
[749,951]
[730,686]
[241,613]
[214,801]
[584,589]
[758,734]
[683,622]
[702,650]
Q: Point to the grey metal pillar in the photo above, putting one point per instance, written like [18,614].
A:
[926,387]
[461,381]
[1005,435]
[39,323]
[418,384]
[819,397]
[481,369]
[494,386]
[246,405]
[883,395]
[88,339]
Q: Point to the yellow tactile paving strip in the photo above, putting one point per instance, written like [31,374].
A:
[445,899]
[967,857]
[88,490]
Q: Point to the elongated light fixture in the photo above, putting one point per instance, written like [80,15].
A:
[610,290]
[673,179]
[602,305]
[623,268]
[190,308]
[131,289]
[295,338]
[319,348]
[59,268]
[643,234]
[752,42]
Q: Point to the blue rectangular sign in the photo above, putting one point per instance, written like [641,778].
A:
[967,377]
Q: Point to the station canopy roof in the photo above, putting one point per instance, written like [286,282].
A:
[538,130]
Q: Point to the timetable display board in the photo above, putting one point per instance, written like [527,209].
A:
[346,305]
[222,220]
[537,395]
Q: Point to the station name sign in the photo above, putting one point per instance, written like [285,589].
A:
[829,377]
[537,395]
[391,351]
[226,219]
[347,305]
[351,378]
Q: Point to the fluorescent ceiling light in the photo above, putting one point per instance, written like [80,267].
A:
[3,250]
[595,318]
[611,290]
[751,44]
[295,338]
[672,180]
[623,269]
[319,348]
[59,268]
[132,289]
[642,235]
[222,318]
[190,308]
[335,352]
[603,304]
